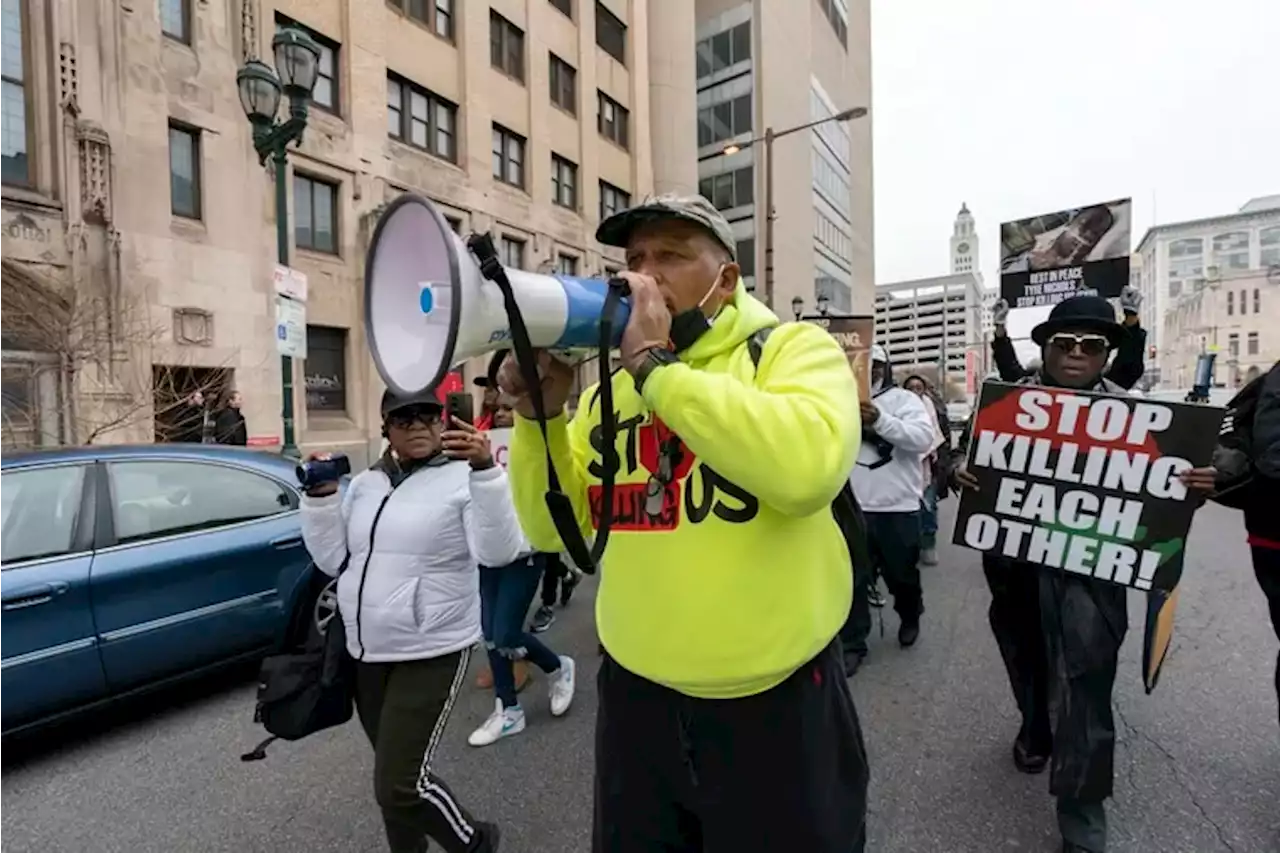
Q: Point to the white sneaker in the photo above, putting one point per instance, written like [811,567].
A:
[929,557]
[563,683]
[501,723]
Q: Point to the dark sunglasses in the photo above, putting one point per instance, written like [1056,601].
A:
[1089,344]
[411,415]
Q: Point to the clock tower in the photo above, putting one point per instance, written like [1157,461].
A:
[964,243]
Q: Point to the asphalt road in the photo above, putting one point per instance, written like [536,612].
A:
[1198,765]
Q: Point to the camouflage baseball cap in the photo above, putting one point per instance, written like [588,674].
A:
[617,229]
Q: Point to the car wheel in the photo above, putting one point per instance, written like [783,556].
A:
[326,605]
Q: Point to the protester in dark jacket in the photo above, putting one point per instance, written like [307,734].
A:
[1126,368]
[1060,633]
[228,425]
[1260,496]
[190,420]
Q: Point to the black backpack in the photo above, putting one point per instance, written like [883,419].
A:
[1234,455]
[311,685]
[845,507]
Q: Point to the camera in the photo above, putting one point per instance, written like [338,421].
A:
[317,472]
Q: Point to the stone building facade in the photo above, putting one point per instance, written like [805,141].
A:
[128,284]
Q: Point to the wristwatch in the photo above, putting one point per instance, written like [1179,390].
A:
[654,358]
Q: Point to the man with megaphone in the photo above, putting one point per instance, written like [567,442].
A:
[725,722]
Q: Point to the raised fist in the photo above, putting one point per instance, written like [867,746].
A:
[1000,312]
[1130,299]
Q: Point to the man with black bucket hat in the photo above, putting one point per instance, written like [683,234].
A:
[1060,633]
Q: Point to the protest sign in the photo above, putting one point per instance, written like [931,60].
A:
[1048,258]
[1085,482]
[499,444]
[854,334]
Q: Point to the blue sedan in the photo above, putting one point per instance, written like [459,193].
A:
[125,568]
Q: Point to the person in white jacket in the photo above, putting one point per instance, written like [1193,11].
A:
[888,480]
[404,540]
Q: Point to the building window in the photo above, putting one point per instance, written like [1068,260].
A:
[1231,302]
[1233,345]
[613,121]
[506,46]
[325,369]
[725,49]
[724,120]
[1257,301]
[612,200]
[566,265]
[1252,345]
[565,6]
[508,156]
[315,217]
[1186,263]
[422,119]
[16,164]
[564,85]
[729,189]
[564,182]
[512,249]
[1231,251]
[325,93]
[175,19]
[184,171]
[436,15]
[746,252]
[1268,239]
[837,12]
[1244,306]
[611,34]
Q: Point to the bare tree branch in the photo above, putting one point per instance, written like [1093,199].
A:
[90,374]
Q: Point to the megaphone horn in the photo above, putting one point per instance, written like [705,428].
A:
[429,307]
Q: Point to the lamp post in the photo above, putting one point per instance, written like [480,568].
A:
[824,307]
[297,60]
[770,136]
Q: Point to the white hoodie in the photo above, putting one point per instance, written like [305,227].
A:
[894,484]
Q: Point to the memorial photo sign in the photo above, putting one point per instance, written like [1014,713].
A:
[1075,252]
[854,334]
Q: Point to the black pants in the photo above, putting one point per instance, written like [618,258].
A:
[1266,565]
[403,708]
[553,573]
[1060,637]
[779,772]
[894,540]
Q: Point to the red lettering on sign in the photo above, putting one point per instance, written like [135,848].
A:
[629,508]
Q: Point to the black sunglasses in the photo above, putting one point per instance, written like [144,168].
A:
[408,416]
[1089,344]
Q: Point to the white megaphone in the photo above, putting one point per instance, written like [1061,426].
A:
[428,306]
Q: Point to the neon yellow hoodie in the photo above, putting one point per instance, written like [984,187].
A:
[744,575]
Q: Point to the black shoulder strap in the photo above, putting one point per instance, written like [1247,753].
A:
[755,344]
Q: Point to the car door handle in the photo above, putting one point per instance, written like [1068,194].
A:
[284,543]
[42,594]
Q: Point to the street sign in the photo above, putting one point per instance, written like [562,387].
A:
[290,282]
[291,327]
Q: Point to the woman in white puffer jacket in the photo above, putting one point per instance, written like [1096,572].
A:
[410,532]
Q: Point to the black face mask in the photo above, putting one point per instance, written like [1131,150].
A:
[688,326]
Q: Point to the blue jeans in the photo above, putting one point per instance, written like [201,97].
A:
[929,517]
[505,595]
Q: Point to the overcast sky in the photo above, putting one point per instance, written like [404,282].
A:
[1020,107]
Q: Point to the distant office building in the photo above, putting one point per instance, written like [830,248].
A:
[920,321]
[1212,284]
[782,65]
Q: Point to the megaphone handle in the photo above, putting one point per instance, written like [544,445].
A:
[619,284]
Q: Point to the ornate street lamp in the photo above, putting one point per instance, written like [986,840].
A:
[824,304]
[297,60]
[797,306]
